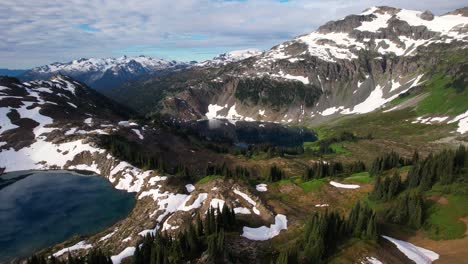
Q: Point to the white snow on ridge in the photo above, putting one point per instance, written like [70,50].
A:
[232,114]
[127,252]
[78,246]
[265,233]
[303,79]
[213,110]
[443,24]
[373,26]
[107,236]
[320,46]
[376,98]
[332,110]
[417,254]
[96,64]
[30,157]
[345,186]
[232,56]
[462,120]
[5,122]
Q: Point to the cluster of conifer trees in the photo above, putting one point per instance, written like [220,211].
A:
[444,168]
[323,233]
[124,149]
[276,174]
[239,172]
[95,256]
[202,236]
[388,161]
[325,145]
[323,169]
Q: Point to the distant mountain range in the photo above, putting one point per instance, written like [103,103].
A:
[11,73]
[108,73]
[104,74]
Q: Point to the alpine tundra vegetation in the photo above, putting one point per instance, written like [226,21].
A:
[344,145]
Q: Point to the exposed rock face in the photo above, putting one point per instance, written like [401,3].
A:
[427,15]
[350,66]
[461,11]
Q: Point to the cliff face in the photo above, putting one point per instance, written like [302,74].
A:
[350,66]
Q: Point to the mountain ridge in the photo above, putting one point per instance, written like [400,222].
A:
[350,66]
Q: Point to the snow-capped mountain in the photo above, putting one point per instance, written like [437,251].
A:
[353,65]
[229,57]
[105,74]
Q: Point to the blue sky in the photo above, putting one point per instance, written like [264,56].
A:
[42,31]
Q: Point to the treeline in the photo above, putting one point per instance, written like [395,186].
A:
[122,148]
[133,153]
[251,150]
[324,232]
[445,167]
[324,169]
[325,144]
[95,256]
[275,174]
[388,161]
[239,172]
[202,236]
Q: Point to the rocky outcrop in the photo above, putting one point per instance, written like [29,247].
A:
[349,66]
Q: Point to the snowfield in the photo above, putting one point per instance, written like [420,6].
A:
[345,186]
[265,233]
[417,254]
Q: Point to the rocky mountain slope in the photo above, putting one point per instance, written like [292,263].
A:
[354,65]
[63,124]
[104,74]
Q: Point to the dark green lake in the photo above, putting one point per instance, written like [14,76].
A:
[42,208]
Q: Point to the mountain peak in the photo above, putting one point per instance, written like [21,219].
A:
[231,56]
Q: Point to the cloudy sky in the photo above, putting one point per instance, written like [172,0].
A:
[37,32]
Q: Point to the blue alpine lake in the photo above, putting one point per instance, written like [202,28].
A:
[42,208]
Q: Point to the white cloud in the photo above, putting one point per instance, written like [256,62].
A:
[42,31]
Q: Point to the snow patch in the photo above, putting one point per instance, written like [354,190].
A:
[417,254]
[265,233]
[78,246]
[128,252]
[262,187]
[138,133]
[345,186]
[190,188]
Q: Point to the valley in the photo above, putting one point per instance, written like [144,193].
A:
[344,145]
